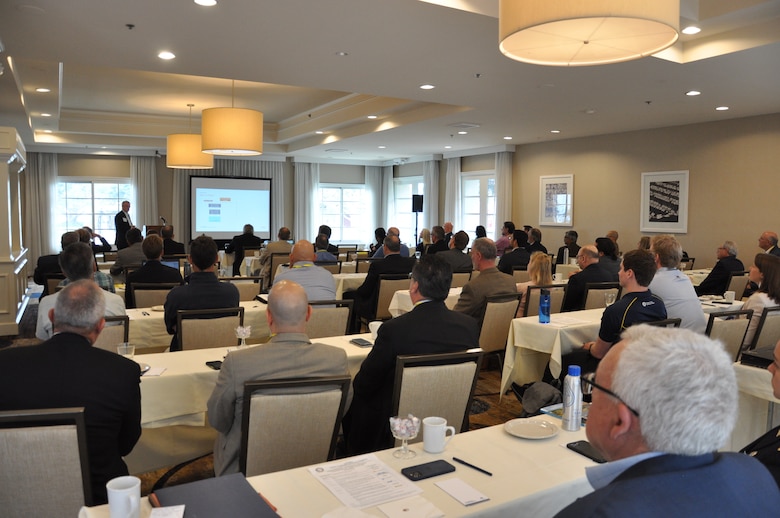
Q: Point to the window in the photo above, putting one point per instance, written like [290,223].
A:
[404,218]
[478,202]
[343,208]
[89,203]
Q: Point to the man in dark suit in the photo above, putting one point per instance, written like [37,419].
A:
[122,223]
[768,243]
[104,246]
[237,245]
[204,290]
[519,256]
[131,255]
[153,270]
[171,247]
[430,328]
[458,260]
[48,264]
[570,244]
[325,229]
[366,295]
[439,243]
[588,260]
[662,439]
[718,279]
[66,371]
[535,242]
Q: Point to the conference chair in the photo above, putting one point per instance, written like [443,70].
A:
[460,278]
[252,251]
[667,322]
[52,280]
[354,254]
[738,281]
[595,291]
[389,283]
[499,312]
[110,257]
[147,294]
[520,274]
[116,331]
[557,293]
[329,318]
[277,260]
[345,249]
[45,466]
[290,423]
[207,328]
[248,287]
[333,267]
[436,384]
[730,328]
[768,330]
[687,263]
[362,264]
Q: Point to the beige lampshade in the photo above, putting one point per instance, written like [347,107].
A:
[184,152]
[586,32]
[232,131]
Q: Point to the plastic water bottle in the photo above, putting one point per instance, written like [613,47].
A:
[572,400]
[544,307]
[566,255]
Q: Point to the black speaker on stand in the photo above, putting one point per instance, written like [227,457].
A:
[417,208]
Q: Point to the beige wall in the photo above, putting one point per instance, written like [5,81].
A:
[94,166]
[734,178]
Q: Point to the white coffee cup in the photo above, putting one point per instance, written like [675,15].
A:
[374,328]
[127,350]
[124,497]
[435,434]
[729,296]
[558,276]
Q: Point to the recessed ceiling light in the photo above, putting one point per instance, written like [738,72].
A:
[47,131]
[319,132]
[447,147]
[166,54]
[589,111]
[427,87]
[371,117]
[555,131]
[722,108]
[507,138]
[692,93]
[46,115]
[42,90]
[691,29]
[382,147]
[342,53]
[463,132]
[206,3]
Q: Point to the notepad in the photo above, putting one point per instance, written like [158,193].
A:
[462,492]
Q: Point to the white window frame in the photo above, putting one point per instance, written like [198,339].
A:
[484,203]
[337,230]
[403,208]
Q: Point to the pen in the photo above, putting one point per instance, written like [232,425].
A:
[472,466]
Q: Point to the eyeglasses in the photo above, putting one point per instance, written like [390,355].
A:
[590,381]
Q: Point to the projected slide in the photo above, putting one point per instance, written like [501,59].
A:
[220,207]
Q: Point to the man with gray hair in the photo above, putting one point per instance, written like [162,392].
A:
[403,250]
[289,354]
[664,402]
[490,281]
[767,241]
[717,281]
[67,371]
[439,243]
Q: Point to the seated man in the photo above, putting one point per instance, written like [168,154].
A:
[241,241]
[673,286]
[48,264]
[104,245]
[588,260]
[504,242]
[66,371]
[490,281]
[204,290]
[430,328]
[322,244]
[570,244]
[171,247]
[153,271]
[315,280]
[392,231]
[637,304]
[281,246]
[664,403]
[132,255]
[289,354]
[459,261]
[439,244]
[717,281]
[519,256]
[535,241]
[325,229]
[77,263]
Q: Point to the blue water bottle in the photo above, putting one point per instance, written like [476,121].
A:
[544,307]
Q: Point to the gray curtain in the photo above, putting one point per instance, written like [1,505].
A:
[374,182]
[452,194]
[431,190]
[143,178]
[307,183]
[40,180]
[503,186]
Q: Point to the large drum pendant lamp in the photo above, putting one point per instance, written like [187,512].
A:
[586,32]
[184,151]
[232,131]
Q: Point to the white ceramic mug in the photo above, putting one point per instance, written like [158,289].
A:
[435,434]
[558,277]
[374,328]
[124,497]
[729,296]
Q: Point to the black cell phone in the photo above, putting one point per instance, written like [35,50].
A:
[361,342]
[586,449]
[427,470]
[216,364]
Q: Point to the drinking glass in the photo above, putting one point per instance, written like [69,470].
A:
[609,298]
[404,428]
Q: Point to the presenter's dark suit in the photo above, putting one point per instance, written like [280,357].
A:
[430,328]
[766,449]
[237,246]
[366,295]
[575,290]
[714,484]
[718,279]
[171,247]
[204,291]
[66,371]
[46,264]
[122,225]
[151,272]
[517,257]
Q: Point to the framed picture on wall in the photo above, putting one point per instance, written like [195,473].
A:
[664,206]
[556,200]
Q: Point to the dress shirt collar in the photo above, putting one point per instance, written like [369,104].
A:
[423,301]
[601,475]
[202,277]
[290,337]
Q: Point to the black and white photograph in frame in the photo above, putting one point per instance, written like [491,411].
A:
[556,200]
[664,206]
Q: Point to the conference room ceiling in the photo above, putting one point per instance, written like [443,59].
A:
[316,65]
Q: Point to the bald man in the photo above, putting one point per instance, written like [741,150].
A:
[392,231]
[289,354]
[316,280]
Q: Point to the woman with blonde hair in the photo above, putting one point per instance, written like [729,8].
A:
[425,241]
[540,273]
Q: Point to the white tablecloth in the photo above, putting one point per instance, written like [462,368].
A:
[402,302]
[696,276]
[566,269]
[755,398]
[530,478]
[347,282]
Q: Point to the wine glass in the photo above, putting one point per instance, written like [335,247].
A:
[404,428]
[609,298]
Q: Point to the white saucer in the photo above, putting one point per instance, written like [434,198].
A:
[531,429]
[157,308]
[144,367]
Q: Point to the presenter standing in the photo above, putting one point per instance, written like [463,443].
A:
[123,223]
